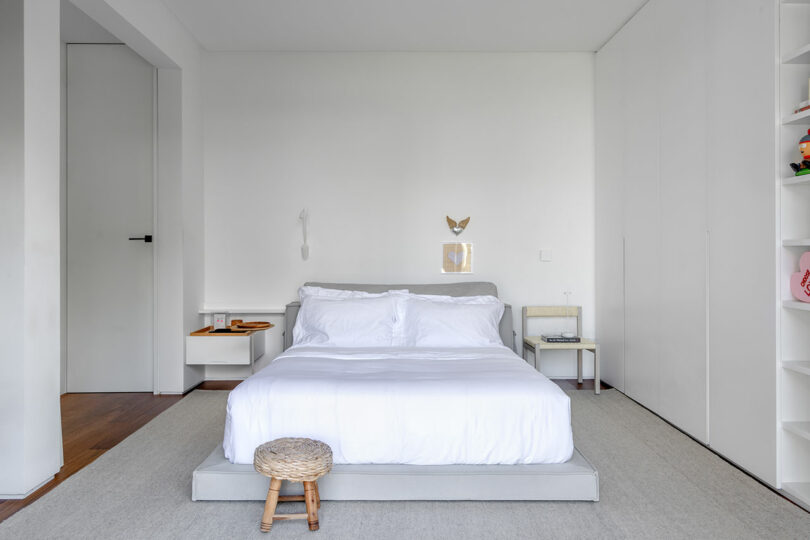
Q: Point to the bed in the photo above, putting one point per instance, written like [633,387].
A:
[406,422]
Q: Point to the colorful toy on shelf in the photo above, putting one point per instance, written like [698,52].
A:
[804,147]
[800,281]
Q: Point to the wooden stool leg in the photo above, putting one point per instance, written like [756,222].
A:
[597,384]
[317,494]
[312,506]
[270,504]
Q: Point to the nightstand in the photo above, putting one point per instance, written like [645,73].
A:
[536,344]
[237,347]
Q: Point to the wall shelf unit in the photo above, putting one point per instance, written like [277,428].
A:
[797,367]
[793,390]
[800,118]
[799,56]
[801,429]
[795,304]
[796,242]
[796,180]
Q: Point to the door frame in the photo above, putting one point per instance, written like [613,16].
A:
[156,237]
[179,176]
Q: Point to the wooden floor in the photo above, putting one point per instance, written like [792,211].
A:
[94,423]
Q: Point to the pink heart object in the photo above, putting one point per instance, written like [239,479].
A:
[800,281]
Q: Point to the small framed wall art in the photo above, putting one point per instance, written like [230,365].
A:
[457,258]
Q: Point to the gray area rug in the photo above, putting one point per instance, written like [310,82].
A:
[655,483]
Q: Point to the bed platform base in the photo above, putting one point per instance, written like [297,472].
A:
[216,479]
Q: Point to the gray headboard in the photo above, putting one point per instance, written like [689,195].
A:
[471,288]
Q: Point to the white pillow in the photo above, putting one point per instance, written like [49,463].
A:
[309,290]
[346,322]
[427,323]
[485,299]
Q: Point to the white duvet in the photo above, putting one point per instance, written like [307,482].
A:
[420,406]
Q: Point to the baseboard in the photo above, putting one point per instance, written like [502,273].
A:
[27,493]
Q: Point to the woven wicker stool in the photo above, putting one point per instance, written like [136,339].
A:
[296,460]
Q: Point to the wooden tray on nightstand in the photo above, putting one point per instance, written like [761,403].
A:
[232,330]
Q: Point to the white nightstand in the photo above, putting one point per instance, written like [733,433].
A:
[205,347]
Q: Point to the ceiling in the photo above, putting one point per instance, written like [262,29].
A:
[76,27]
[403,25]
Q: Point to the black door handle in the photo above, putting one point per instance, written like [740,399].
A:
[145,238]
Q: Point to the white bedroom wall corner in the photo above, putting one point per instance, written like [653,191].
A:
[30,266]
[12,177]
[193,210]
[63,212]
[168,234]
[42,226]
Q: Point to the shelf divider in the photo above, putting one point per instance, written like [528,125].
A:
[795,304]
[801,429]
[802,367]
[797,118]
[799,56]
[796,180]
[796,242]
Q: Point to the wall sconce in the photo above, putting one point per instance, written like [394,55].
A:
[304,218]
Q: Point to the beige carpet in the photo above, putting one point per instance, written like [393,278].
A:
[655,483]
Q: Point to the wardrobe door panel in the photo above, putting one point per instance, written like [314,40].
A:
[682,275]
[610,126]
[641,224]
[743,299]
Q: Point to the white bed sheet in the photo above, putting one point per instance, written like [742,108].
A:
[420,406]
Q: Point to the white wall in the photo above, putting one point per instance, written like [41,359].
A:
[380,147]
[11,242]
[30,266]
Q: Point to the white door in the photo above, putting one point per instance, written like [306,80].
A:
[110,108]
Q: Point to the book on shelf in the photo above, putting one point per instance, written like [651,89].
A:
[558,338]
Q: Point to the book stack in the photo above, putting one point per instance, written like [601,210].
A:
[557,338]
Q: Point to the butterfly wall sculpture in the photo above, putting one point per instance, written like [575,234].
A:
[457,227]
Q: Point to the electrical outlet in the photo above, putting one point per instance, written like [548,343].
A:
[545,255]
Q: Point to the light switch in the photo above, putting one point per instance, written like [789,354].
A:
[545,255]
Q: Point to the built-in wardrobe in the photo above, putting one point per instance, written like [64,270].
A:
[690,261]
